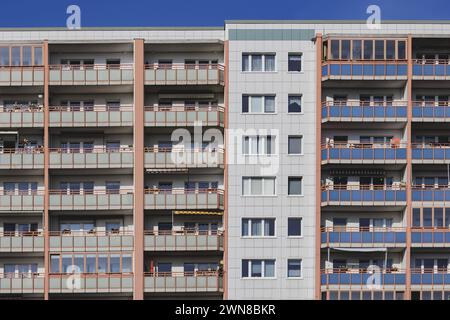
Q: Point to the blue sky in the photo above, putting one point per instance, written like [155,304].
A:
[97,13]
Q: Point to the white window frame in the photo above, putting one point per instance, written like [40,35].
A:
[263,265]
[301,145]
[301,103]
[301,227]
[261,145]
[263,179]
[301,61]
[301,268]
[263,224]
[302,194]
[264,97]
[263,61]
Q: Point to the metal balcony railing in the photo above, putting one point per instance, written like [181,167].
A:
[91,283]
[364,153]
[362,111]
[97,74]
[199,281]
[95,116]
[22,116]
[430,111]
[365,70]
[430,69]
[361,277]
[184,74]
[431,277]
[18,200]
[183,158]
[21,75]
[430,152]
[432,193]
[183,240]
[22,158]
[363,236]
[364,194]
[169,116]
[23,241]
[97,157]
[184,199]
[430,236]
[13,283]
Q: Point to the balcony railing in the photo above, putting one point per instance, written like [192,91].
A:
[431,153]
[203,281]
[364,112]
[92,241]
[21,76]
[90,117]
[91,200]
[21,200]
[22,158]
[162,116]
[361,277]
[21,283]
[183,240]
[430,237]
[430,277]
[363,153]
[424,111]
[363,237]
[91,283]
[364,195]
[98,157]
[431,193]
[31,241]
[22,117]
[98,74]
[364,70]
[183,158]
[184,199]
[431,69]
[182,74]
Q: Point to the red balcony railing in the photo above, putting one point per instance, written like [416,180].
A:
[364,194]
[184,116]
[29,116]
[184,199]
[91,282]
[184,158]
[363,236]
[13,283]
[365,111]
[21,75]
[97,157]
[358,152]
[97,74]
[199,281]
[21,241]
[183,240]
[184,74]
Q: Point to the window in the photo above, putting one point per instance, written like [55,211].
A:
[258,62]
[38,56]
[295,104]
[295,186]
[112,187]
[4,56]
[164,267]
[295,144]
[295,62]
[112,146]
[258,227]
[258,268]
[113,105]
[294,227]
[26,56]
[258,145]
[258,104]
[294,267]
[257,186]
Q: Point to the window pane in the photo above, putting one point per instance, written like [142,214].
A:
[256,104]
[269,227]
[256,227]
[54,264]
[269,186]
[15,56]
[4,56]
[345,49]
[269,62]
[295,145]
[91,264]
[126,264]
[401,50]
[295,104]
[379,49]
[38,56]
[114,263]
[269,268]
[256,62]
[245,62]
[335,49]
[294,268]
[245,100]
[269,106]
[295,63]
[295,186]
[244,268]
[294,226]
[368,49]
[357,50]
[245,225]
[390,49]
[256,268]
[26,56]
[246,186]
[427,221]
[256,185]
[102,264]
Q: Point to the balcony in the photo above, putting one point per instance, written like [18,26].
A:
[90,117]
[364,70]
[362,112]
[91,74]
[430,237]
[362,153]
[165,282]
[431,193]
[22,76]
[430,112]
[99,157]
[363,195]
[182,74]
[23,158]
[169,158]
[168,116]
[21,200]
[355,237]
[184,199]
[431,69]
[32,241]
[22,283]
[389,278]
[20,117]
[93,200]
[436,153]
[185,240]
[430,278]
[93,241]
[91,283]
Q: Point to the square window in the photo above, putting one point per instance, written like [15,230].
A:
[294,227]
[294,268]
[295,186]
[295,144]
[295,104]
[295,62]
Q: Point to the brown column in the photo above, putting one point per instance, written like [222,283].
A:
[318,158]
[225,195]
[138,172]
[46,222]
[408,173]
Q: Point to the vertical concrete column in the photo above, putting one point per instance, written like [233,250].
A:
[409,172]
[46,220]
[318,159]
[225,195]
[138,171]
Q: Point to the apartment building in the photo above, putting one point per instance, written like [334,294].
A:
[259,160]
